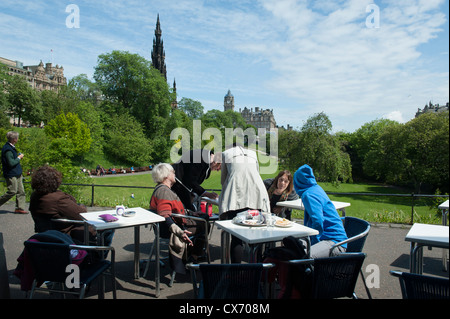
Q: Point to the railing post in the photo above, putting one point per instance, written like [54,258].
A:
[412,209]
[92,198]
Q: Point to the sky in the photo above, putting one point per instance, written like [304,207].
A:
[354,60]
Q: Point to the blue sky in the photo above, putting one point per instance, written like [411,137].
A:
[298,58]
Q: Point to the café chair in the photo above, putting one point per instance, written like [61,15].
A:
[58,222]
[415,286]
[230,281]
[165,241]
[326,278]
[49,262]
[357,231]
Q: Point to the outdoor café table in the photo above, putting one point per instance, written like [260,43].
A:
[421,235]
[444,208]
[256,236]
[142,217]
[297,204]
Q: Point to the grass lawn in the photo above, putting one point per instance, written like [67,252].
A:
[372,208]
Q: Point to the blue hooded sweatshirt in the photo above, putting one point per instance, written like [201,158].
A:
[320,212]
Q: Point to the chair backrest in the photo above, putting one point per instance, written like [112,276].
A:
[332,277]
[356,227]
[231,281]
[48,260]
[415,286]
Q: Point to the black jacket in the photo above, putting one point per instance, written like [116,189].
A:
[191,170]
[10,171]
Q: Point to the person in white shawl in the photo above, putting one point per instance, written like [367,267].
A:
[242,189]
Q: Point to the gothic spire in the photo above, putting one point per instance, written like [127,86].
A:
[158,53]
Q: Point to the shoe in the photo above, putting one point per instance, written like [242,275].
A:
[20,211]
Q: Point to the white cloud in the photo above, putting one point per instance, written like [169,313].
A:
[296,57]
[395,116]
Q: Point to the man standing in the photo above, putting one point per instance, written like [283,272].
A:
[190,172]
[12,171]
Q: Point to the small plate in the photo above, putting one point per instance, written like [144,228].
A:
[249,223]
[284,225]
[130,213]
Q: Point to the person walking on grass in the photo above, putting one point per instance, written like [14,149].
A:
[12,171]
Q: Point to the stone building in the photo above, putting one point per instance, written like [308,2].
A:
[39,77]
[430,108]
[259,118]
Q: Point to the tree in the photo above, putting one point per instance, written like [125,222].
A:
[4,105]
[130,80]
[84,89]
[362,141]
[413,154]
[316,146]
[192,108]
[24,102]
[70,137]
[125,141]
[386,159]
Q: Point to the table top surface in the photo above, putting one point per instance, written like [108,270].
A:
[434,235]
[142,217]
[264,234]
[297,204]
[444,205]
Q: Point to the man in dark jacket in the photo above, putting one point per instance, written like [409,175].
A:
[190,172]
[12,171]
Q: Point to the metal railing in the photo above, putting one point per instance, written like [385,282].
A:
[413,196]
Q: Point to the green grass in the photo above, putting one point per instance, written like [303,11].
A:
[380,209]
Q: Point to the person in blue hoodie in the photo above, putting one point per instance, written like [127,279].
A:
[320,214]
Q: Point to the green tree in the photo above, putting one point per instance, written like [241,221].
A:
[192,108]
[85,89]
[386,159]
[4,105]
[125,141]
[130,80]
[91,116]
[24,102]
[70,137]
[362,141]
[316,146]
[413,154]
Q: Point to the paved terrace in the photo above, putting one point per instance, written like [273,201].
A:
[385,247]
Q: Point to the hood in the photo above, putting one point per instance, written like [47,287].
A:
[304,179]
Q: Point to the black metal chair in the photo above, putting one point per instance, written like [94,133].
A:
[50,261]
[230,281]
[165,241]
[326,278]
[357,231]
[415,286]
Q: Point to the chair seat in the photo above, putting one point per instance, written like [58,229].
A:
[89,272]
[229,281]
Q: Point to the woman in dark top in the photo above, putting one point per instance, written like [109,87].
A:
[280,189]
[47,203]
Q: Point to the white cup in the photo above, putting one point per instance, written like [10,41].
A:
[120,210]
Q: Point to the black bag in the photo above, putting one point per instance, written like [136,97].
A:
[297,276]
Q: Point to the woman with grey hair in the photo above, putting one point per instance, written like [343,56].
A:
[165,203]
